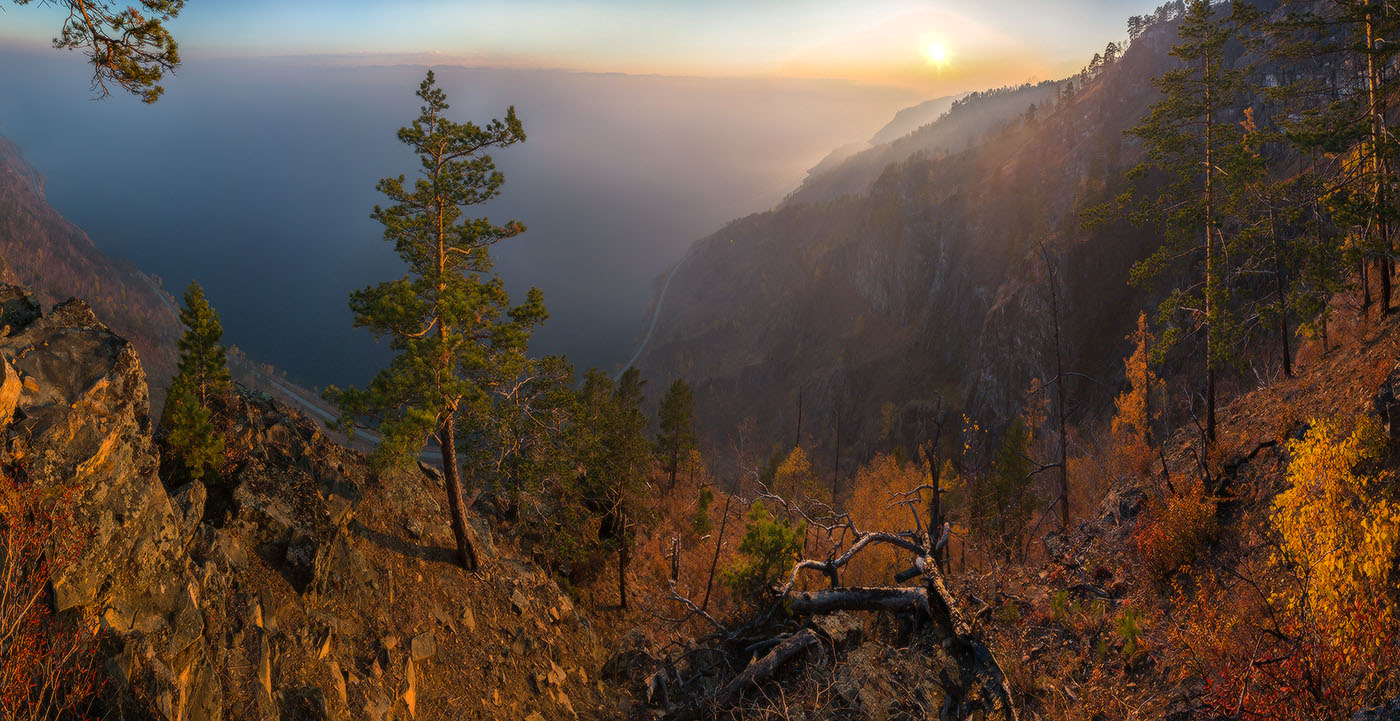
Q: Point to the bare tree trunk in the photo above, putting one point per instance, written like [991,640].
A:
[623,559]
[899,599]
[836,464]
[797,443]
[466,554]
[1211,269]
[719,543]
[1365,290]
[1059,390]
[757,672]
[1377,113]
[1281,287]
[935,503]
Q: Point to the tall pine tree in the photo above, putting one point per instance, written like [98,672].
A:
[610,439]
[677,420]
[1343,55]
[1193,141]
[188,430]
[449,319]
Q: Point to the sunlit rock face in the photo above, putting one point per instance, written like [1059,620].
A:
[267,590]
[75,418]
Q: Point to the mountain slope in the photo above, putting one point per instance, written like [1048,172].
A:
[46,253]
[298,585]
[928,277]
[42,250]
[912,118]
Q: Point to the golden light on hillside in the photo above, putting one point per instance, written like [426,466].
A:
[936,53]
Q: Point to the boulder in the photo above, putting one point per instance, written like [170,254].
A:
[189,502]
[423,646]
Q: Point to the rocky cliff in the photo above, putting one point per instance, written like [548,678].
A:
[300,586]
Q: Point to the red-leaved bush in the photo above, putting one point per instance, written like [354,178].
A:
[47,664]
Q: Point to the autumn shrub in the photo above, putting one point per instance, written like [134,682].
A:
[796,482]
[1173,529]
[1339,531]
[1249,661]
[47,664]
[875,486]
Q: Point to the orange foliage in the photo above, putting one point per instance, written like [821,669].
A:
[1132,423]
[1173,529]
[691,527]
[869,506]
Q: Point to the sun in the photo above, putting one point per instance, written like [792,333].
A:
[936,53]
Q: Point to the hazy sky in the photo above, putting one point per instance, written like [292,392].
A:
[650,124]
[976,43]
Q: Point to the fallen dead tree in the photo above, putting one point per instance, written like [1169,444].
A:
[757,672]
[979,685]
[895,600]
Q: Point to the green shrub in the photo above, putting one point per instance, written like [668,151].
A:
[770,547]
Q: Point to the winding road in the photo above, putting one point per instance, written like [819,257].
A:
[656,312]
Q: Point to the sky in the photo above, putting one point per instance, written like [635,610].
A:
[932,46]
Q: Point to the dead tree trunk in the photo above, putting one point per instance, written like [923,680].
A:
[719,543]
[896,600]
[757,672]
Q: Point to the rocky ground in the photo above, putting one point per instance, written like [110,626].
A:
[300,586]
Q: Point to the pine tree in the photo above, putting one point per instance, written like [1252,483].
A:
[189,433]
[610,435]
[632,458]
[203,364]
[126,43]
[202,377]
[677,420]
[1338,107]
[1002,504]
[1189,135]
[449,320]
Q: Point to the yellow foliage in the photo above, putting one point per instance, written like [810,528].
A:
[869,508]
[794,480]
[1340,532]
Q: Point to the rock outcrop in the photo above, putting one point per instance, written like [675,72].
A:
[286,586]
[80,422]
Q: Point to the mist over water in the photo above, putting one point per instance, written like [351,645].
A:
[256,178]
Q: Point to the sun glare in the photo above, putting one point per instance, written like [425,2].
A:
[936,53]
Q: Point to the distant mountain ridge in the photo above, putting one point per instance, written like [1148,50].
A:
[913,268]
[943,125]
[914,117]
